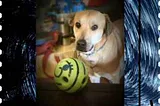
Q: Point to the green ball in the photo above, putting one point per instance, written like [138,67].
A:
[71,75]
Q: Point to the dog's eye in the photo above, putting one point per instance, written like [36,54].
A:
[78,25]
[94,27]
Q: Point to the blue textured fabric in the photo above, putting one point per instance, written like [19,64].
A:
[147,54]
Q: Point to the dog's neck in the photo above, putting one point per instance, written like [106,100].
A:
[101,43]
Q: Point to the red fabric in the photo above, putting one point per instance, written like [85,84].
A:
[57,59]
[46,49]
[97,2]
[45,60]
[55,36]
[43,48]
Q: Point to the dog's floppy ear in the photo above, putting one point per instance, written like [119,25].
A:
[109,26]
[70,19]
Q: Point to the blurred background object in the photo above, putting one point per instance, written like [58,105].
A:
[93,3]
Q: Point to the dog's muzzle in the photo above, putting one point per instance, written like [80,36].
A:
[81,45]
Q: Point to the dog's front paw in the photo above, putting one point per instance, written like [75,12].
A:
[94,79]
[104,80]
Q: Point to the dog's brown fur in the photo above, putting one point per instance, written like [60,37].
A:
[108,49]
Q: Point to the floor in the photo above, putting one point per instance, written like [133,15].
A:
[92,95]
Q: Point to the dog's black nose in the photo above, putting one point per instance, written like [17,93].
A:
[81,43]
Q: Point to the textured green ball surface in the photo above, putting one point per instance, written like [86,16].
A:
[71,75]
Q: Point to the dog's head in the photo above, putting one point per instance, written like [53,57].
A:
[89,27]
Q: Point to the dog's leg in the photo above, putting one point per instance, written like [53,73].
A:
[95,78]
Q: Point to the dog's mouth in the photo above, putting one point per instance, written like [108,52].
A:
[86,50]
[91,50]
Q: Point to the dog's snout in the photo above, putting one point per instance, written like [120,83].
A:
[81,43]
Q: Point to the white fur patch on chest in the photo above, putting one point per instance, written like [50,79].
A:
[90,59]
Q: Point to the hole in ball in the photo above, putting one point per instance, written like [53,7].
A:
[58,83]
[84,80]
[65,79]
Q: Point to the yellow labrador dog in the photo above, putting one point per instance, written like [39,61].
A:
[99,43]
